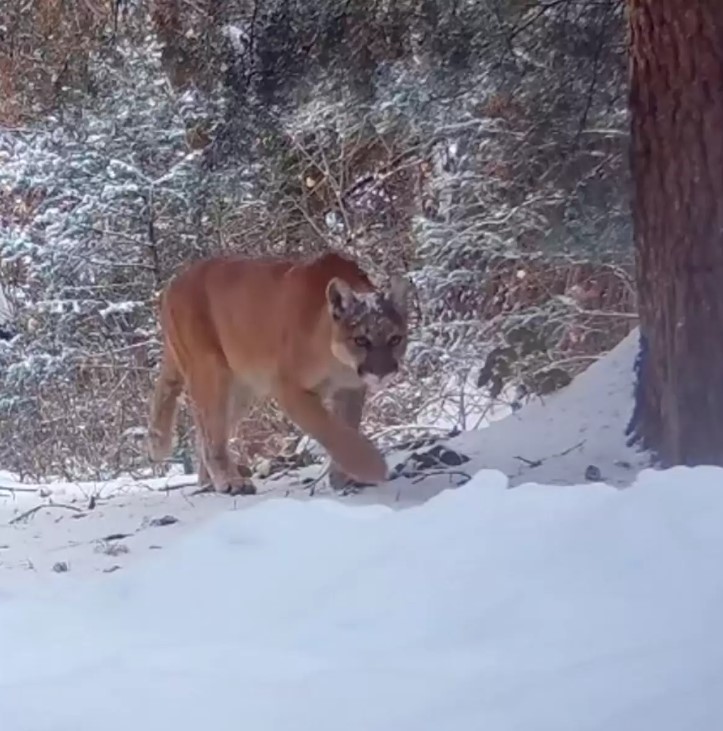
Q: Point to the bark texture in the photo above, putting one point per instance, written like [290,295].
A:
[676,104]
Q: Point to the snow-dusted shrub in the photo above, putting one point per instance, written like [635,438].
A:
[98,207]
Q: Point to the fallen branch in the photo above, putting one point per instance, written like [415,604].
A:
[179,486]
[535,463]
[434,473]
[531,463]
[28,513]
[8,488]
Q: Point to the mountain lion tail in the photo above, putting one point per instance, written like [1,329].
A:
[164,403]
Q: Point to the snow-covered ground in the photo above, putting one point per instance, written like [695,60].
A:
[554,441]
[557,439]
[562,604]
[560,608]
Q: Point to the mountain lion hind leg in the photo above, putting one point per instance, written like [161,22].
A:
[204,476]
[210,389]
[239,402]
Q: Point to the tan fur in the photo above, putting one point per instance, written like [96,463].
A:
[235,329]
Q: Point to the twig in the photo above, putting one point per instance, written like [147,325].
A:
[28,513]
[324,472]
[570,449]
[434,473]
[534,463]
[531,463]
[179,486]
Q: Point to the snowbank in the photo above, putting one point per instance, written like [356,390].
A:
[563,608]
[556,440]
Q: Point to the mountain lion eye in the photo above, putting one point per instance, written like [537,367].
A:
[394,341]
[362,342]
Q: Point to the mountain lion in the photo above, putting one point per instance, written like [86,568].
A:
[236,328]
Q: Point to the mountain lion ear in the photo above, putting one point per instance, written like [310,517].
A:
[398,292]
[339,296]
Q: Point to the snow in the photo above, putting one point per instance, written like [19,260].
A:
[544,607]
[6,311]
[87,541]
[555,439]
[238,37]
[561,604]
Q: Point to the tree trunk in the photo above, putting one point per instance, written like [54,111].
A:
[676,105]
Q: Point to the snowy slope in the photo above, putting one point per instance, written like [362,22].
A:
[556,439]
[580,608]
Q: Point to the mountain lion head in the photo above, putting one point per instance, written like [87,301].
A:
[369,329]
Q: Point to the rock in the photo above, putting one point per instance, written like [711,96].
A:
[448,456]
[592,473]
[162,521]
[438,457]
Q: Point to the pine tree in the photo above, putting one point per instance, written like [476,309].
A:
[676,106]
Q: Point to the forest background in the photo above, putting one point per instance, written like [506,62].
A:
[478,146]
